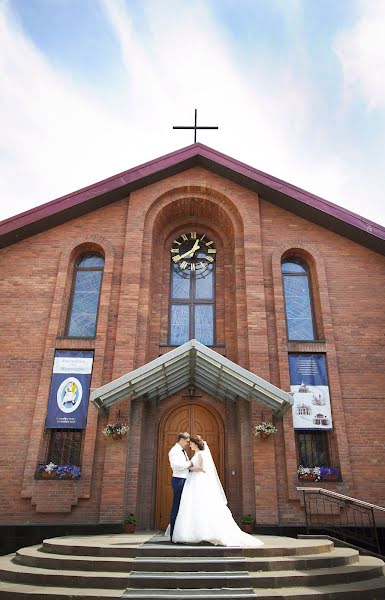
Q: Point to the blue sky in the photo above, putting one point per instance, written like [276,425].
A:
[89,88]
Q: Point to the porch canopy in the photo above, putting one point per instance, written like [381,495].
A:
[192,364]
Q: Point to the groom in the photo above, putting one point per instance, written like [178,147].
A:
[180,464]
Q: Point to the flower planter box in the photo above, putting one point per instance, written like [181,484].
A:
[264,435]
[129,527]
[247,528]
[48,474]
[308,477]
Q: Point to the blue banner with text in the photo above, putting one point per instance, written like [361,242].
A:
[69,392]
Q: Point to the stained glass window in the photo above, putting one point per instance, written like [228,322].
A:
[180,324]
[204,323]
[85,296]
[204,287]
[180,286]
[296,286]
[192,313]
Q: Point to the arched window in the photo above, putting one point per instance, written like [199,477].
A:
[298,306]
[84,304]
[192,290]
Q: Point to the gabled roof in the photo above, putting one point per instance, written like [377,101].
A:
[192,364]
[285,195]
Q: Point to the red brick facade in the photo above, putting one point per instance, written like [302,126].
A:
[134,234]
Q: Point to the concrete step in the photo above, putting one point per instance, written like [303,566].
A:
[33,556]
[115,566]
[122,546]
[191,594]
[18,591]
[338,557]
[192,580]
[364,590]
[366,568]
[15,573]
[311,547]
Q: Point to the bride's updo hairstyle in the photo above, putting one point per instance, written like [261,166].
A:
[198,441]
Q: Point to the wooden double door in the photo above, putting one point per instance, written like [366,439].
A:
[196,419]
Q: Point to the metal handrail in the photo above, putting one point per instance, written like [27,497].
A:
[350,519]
[336,495]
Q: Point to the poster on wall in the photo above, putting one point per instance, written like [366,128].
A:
[310,391]
[69,392]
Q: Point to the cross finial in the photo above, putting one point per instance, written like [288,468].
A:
[195,127]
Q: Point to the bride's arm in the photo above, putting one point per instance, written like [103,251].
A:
[200,466]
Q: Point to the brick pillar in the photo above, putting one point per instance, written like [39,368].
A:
[246,456]
[265,472]
[233,466]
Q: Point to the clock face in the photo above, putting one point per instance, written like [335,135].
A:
[193,252]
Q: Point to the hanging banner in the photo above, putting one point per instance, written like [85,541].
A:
[69,392]
[310,391]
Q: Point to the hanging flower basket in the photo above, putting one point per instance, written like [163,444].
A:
[264,430]
[115,430]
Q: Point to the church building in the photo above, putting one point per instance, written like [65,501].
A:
[191,293]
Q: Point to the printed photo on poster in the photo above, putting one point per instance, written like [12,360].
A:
[310,391]
[69,392]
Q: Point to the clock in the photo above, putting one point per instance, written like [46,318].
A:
[193,253]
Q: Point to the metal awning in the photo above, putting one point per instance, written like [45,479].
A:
[192,364]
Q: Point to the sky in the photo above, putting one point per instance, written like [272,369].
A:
[90,88]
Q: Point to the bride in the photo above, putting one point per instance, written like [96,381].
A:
[203,513]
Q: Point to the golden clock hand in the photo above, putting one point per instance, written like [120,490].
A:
[195,247]
[189,253]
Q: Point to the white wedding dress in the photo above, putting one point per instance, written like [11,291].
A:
[203,513]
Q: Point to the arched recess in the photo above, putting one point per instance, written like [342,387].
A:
[196,418]
[193,208]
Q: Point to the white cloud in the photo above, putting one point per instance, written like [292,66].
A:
[54,133]
[58,135]
[361,51]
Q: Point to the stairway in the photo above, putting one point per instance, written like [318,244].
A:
[144,566]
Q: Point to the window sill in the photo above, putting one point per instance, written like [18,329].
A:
[321,341]
[306,346]
[75,343]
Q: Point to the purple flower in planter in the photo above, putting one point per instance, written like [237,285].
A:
[330,472]
[71,471]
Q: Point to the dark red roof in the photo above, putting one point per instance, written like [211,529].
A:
[289,197]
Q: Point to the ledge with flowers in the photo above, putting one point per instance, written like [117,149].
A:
[318,473]
[63,472]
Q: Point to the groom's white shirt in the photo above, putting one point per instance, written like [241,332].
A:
[178,461]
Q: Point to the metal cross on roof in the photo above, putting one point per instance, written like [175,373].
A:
[195,127]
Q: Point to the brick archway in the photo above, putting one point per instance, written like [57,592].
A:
[194,418]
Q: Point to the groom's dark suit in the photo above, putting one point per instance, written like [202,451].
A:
[178,461]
